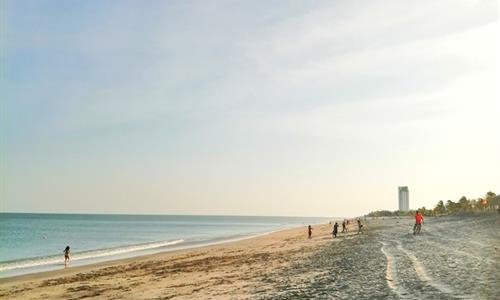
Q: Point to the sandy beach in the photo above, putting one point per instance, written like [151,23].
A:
[453,258]
[181,149]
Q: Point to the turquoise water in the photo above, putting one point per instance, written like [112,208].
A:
[35,242]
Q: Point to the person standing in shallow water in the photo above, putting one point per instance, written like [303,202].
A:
[335,229]
[66,255]
[309,231]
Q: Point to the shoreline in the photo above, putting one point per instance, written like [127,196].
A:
[140,256]
[174,273]
[26,251]
[135,254]
[123,236]
[387,262]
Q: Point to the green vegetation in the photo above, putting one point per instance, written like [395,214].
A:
[490,202]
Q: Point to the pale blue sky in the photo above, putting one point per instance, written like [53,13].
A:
[247,107]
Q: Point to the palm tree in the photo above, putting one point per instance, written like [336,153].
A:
[440,209]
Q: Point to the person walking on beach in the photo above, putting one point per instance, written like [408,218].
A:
[335,229]
[418,223]
[66,255]
[344,227]
[309,231]
[360,227]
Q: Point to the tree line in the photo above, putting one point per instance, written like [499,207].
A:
[490,202]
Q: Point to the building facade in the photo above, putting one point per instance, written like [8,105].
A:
[404,198]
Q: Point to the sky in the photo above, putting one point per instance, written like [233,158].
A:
[301,108]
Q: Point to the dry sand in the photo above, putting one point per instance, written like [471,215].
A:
[454,257]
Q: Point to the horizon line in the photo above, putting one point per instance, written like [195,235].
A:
[156,214]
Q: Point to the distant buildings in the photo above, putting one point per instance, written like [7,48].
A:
[404,198]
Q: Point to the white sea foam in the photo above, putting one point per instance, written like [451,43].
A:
[55,259]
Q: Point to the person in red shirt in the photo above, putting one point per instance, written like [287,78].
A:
[309,231]
[418,222]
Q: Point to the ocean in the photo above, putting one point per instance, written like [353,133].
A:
[31,243]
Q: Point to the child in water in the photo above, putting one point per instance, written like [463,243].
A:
[66,256]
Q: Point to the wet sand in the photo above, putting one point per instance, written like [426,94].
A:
[453,258]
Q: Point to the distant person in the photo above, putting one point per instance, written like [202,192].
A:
[498,210]
[309,231]
[66,255]
[344,226]
[360,227]
[418,223]
[335,229]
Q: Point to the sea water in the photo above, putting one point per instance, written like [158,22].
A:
[32,243]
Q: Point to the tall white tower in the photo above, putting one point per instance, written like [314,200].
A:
[404,198]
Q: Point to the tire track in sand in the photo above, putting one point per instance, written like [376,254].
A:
[424,276]
[391,274]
